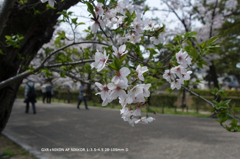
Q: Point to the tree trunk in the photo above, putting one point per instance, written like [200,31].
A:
[37,29]
[7,97]
[183,99]
[89,90]
[214,75]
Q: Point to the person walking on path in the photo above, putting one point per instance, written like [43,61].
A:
[44,92]
[82,96]
[30,96]
[49,91]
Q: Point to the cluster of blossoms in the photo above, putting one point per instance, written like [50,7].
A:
[119,88]
[178,74]
[114,18]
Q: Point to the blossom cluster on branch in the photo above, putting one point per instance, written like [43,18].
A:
[127,34]
[178,74]
[122,87]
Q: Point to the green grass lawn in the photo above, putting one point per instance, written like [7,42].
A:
[11,150]
[159,110]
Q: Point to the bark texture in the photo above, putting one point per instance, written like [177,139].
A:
[37,30]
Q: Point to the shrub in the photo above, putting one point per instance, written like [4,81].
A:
[207,92]
[163,100]
[201,104]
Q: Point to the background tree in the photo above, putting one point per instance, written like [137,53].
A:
[204,17]
[230,49]
[37,29]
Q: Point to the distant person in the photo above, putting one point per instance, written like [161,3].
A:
[49,91]
[82,96]
[30,96]
[44,92]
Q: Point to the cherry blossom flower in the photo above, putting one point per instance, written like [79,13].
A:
[120,19]
[139,99]
[149,24]
[186,76]
[123,101]
[127,115]
[121,75]
[131,121]
[121,5]
[50,2]
[189,60]
[100,61]
[118,90]
[123,110]
[110,13]
[99,9]
[179,70]
[183,58]
[130,8]
[134,38]
[122,40]
[121,51]
[138,26]
[140,70]
[106,101]
[157,40]
[176,84]
[96,25]
[111,21]
[134,92]
[169,76]
[144,120]
[137,112]
[104,90]
[146,92]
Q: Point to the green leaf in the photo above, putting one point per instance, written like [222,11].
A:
[193,53]
[191,34]
[81,23]
[212,40]
[159,64]
[49,7]
[74,21]
[199,65]
[152,52]
[70,13]
[90,8]
[63,74]
[36,12]
[169,90]
[122,58]
[101,1]
[61,35]
[8,37]
[214,91]
[227,101]
[112,66]
[146,9]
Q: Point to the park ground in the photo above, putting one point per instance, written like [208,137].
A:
[60,125]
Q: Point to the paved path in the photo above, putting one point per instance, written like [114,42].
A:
[168,137]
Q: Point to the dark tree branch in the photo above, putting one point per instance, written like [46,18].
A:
[41,66]
[5,11]
[68,74]
[64,47]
